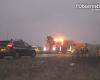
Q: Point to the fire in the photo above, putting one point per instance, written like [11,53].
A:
[59,39]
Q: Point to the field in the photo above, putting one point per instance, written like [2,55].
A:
[58,67]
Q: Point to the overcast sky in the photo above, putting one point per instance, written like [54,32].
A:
[33,20]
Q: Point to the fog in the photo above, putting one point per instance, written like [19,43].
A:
[33,20]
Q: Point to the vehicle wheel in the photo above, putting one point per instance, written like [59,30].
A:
[1,56]
[16,55]
[33,54]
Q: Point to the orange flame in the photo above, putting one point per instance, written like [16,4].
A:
[59,39]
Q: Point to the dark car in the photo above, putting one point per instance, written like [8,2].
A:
[16,48]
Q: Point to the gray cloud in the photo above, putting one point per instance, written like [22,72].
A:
[33,20]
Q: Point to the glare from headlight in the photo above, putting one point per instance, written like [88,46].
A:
[54,48]
[44,49]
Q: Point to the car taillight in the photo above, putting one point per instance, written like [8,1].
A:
[10,45]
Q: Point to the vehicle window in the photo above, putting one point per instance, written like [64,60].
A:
[26,44]
[18,44]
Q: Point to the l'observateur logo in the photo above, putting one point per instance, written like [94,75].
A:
[88,6]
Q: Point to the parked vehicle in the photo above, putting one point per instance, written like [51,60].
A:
[16,49]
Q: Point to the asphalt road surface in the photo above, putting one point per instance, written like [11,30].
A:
[50,67]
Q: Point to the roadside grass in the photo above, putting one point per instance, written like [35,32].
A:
[50,68]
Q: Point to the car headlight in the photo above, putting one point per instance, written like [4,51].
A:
[44,49]
[54,48]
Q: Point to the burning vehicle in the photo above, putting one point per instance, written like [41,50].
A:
[61,45]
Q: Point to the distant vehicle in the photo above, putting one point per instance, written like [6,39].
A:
[38,49]
[16,49]
[46,48]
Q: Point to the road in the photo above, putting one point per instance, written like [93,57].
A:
[49,67]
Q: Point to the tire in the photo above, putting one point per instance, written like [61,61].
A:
[33,54]
[1,56]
